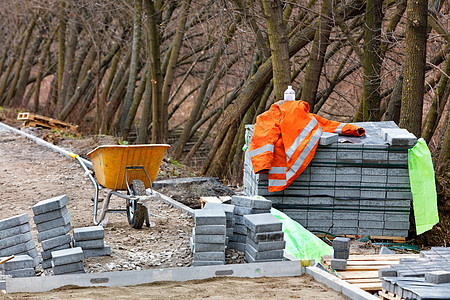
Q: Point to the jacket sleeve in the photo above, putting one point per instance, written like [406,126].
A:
[338,127]
[265,134]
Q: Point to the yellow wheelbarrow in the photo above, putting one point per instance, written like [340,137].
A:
[132,168]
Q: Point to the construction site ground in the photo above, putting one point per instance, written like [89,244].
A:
[31,173]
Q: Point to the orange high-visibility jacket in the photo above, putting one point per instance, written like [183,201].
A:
[285,139]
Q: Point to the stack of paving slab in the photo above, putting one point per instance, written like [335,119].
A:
[427,277]
[68,261]
[244,205]
[53,224]
[209,237]
[341,252]
[91,240]
[264,240]
[19,266]
[353,186]
[16,238]
[229,214]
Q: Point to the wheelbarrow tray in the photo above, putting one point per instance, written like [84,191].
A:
[110,163]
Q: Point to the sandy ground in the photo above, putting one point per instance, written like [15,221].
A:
[30,173]
[303,287]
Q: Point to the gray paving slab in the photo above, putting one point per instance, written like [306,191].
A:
[241,211]
[67,256]
[56,241]
[48,234]
[16,230]
[250,259]
[18,262]
[227,208]
[48,253]
[15,240]
[28,272]
[47,205]
[240,238]
[341,243]
[260,223]
[54,223]
[387,272]
[437,277]
[14,221]
[338,264]
[209,256]
[266,246]
[252,202]
[241,229]
[209,239]
[341,254]
[105,251]
[237,246]
[272,254]
[201,263]
[23,247]
[47,263]
[328,138]
[199,247]
[68,268]
[88,233]
[210,229]
[51,215]
[209,217]
[90,244]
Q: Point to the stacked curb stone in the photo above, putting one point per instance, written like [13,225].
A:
[91,240]
[208,237]
[244,205]
[341,247]
[19,266]
[355,186]
[53,224]
[16,238]
[264,240]
[68,261]
[229,214]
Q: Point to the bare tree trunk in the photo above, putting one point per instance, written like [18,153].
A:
[146,114]
[317,56]
[61,49]
[279,43]
[393,110]
[414,67]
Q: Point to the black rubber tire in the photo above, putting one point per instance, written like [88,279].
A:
[136,212]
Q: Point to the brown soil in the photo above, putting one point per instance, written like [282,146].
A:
[303,287]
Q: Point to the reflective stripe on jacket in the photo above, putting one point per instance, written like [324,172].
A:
[285,139]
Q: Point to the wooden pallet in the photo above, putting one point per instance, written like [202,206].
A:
[45,122]
[385,295]
[213,199]
[362,270]
[394,239]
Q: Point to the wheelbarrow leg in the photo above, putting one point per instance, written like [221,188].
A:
[147,218]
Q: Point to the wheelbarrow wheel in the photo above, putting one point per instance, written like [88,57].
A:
[135,211]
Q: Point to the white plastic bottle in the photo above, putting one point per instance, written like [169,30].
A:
[289,94]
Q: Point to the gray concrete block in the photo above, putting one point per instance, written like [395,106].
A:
[56,241]
[370,231]
[396,225]
[259,223]
[396,216]
[14,221]
[437,277]
[69,268]
[266,236]
[48,234]
[373,193]
[373,179]
[258,255]
[250,259]
[227,208]
[210,239]
[322,192]
[366,216]
[320,215]
[398,172]
[339,264]
[209,256]
[67,256]
[230,231]
[252,202]
[88,233]
[341,243]
[341,254]
[16,230]
[347,192]
[90,244]
[105,251]
[241,211]
[400,138]
[210,229]
[371,224]
[50,204]
[320,223]
[51,215]
[315,177]
[328,138]
[199,247]
[15,240]
[237,246]
[202,263]
[47,263]
[367,171]
[403,180]
[266,246]
[241,229]
[48,253]
[23,247]
[28,272]
[18,262]
[345,223]
[240,238]
[344,230]
[295,200]
[209,217]
[54,223]
[387,272]
[239,220]
[372,156]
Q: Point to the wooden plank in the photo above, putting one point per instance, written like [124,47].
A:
[365,280]
[387,295]
[381,257]
[396,239]
[369,286]
[357,274]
